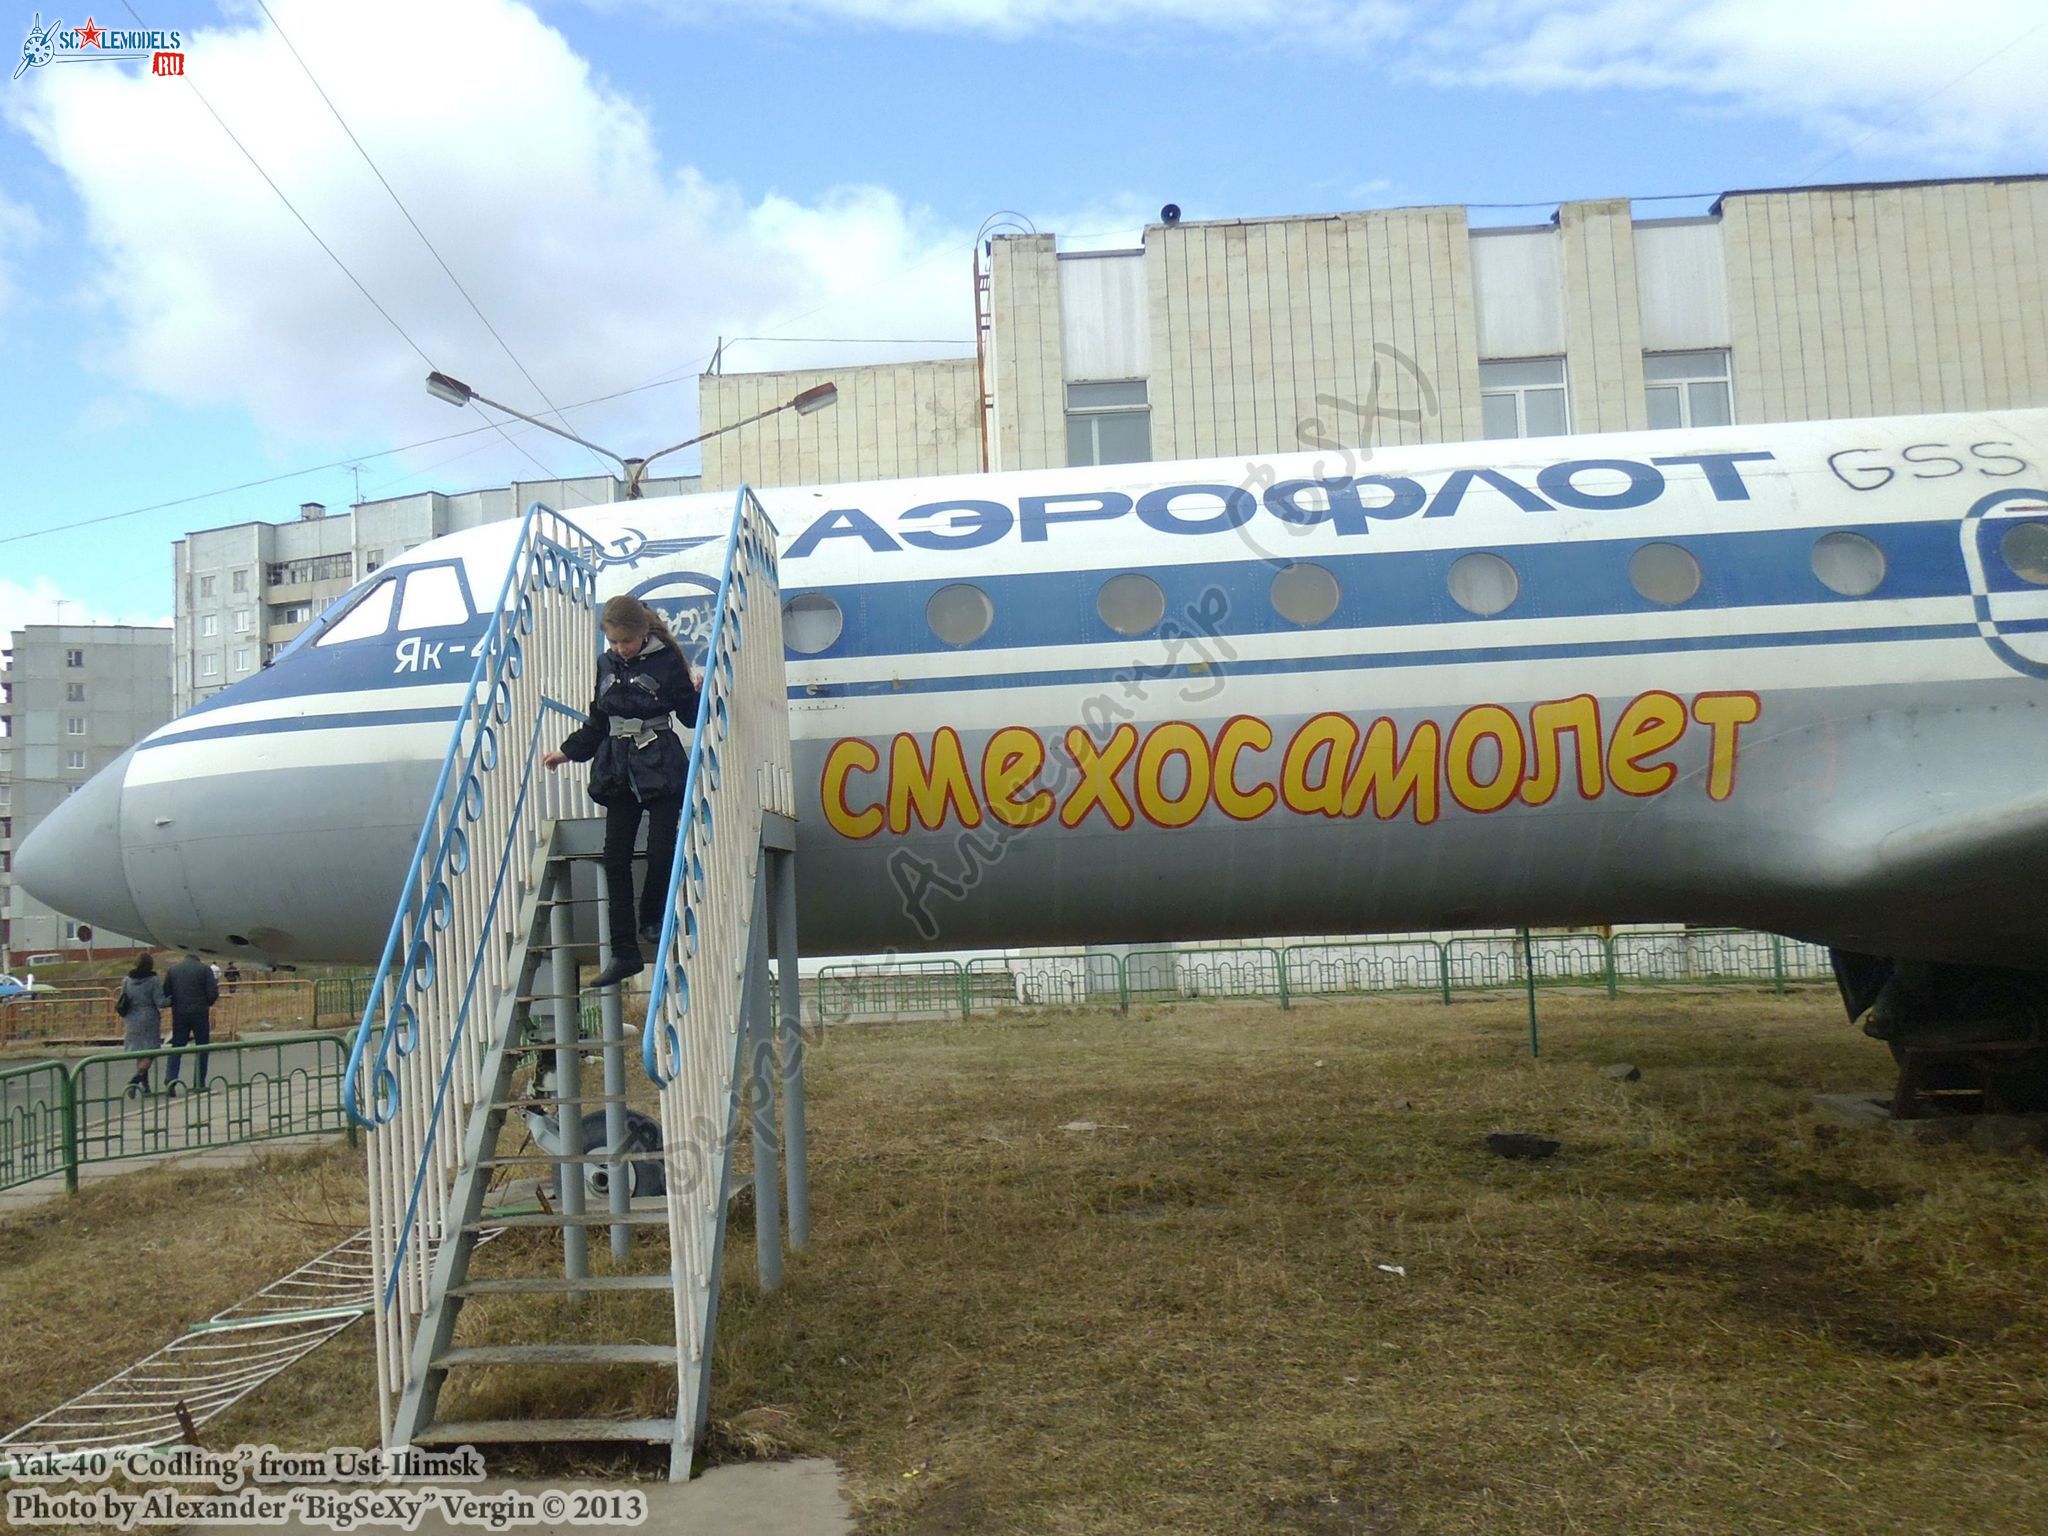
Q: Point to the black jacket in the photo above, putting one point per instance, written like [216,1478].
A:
[650,765]
[191,988]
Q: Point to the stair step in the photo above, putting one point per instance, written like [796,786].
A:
[505,1431]
[559,1354]
[554,1285]
[652,1217]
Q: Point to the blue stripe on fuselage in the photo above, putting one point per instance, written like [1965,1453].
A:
[1758,569]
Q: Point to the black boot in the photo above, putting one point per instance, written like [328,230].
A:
[650,934]
[625,962]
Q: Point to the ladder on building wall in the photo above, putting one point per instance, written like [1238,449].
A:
[476,1028]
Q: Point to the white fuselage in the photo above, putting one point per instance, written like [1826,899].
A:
[1791,676]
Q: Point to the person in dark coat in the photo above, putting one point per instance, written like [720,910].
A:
[192,992]
[141,1006]
[639,762]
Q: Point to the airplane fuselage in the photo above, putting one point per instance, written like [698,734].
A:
[1792,677]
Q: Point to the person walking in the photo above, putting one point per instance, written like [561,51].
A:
[192,991]
[141,1006]
[644,693]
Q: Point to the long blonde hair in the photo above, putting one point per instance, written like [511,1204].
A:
[629,616]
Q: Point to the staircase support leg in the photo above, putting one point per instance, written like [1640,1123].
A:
[568,1091]
[795,1137]
[761,1093]
[620,1176]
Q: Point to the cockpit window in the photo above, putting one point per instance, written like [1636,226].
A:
[434,598]
[369,616]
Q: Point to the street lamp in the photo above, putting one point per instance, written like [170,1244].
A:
[804,402]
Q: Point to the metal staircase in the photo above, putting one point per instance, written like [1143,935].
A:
[476,1027]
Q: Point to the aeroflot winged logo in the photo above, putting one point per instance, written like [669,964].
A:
[59,44]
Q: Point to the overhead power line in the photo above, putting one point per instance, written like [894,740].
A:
[399,203]
[1912,107]
[306,225]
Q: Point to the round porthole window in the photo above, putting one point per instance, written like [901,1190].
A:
[1664,573]
[1131,604]
[1848,563]
[1304,594]
[1483,584]
[2025,549]
[960,614]
[811,621]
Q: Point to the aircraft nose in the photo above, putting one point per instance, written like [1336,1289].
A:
[72,860]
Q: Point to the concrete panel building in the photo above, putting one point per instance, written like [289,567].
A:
[73,697]
[244,592]
[1252,337]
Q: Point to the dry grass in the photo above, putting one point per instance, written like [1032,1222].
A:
[92,1283]
[1712,1312]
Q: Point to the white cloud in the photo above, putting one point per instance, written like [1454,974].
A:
[602,265]
[1855,72]
[1356,22]
[1959,82]
[42,601]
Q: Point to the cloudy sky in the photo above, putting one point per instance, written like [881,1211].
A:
[214,307]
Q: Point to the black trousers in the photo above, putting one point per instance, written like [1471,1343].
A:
[621,827]
[190,1029]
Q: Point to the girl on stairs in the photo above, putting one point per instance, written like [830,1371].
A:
[644,694]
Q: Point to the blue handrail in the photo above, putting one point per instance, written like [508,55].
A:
[718,674]
[487,696]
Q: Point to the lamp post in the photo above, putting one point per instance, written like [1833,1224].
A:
[804,402]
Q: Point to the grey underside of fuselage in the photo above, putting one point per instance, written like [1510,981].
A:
[1823,780]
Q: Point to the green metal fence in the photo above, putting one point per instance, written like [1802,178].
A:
[60,1117]
[1469,963]
[1718,956]
[903,988]
[346,997]
[1365,965]
[1073,979]
[1165,975]
[37,1121]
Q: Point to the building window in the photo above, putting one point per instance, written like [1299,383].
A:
[74,760]
[209,666]
[320,568]
[245,622]
[74,693]
[239,582]
[74,725]
[372,559]
[1523,397]
[74,658]
[209,625]
[1109,423]
[293,613]
[206,586]
[242,660]
[1688,389]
